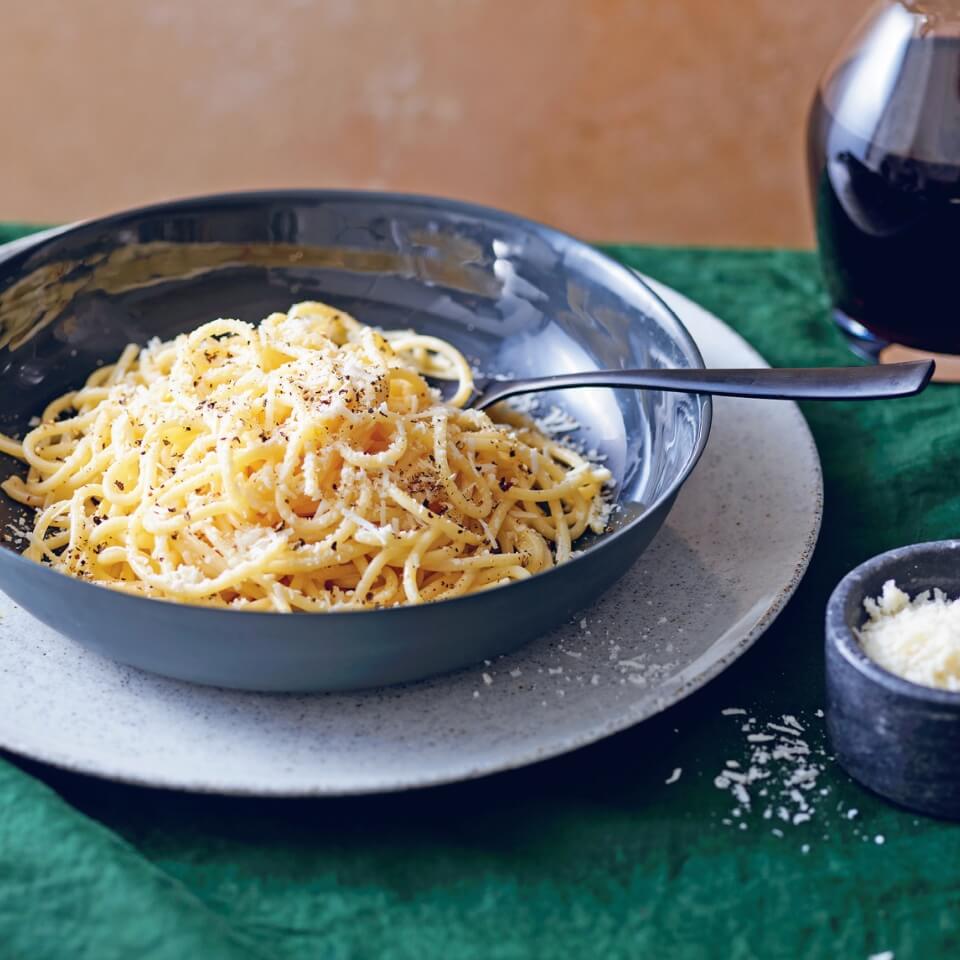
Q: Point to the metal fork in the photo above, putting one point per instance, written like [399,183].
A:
[785,383]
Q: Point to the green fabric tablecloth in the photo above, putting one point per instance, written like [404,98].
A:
[589,855]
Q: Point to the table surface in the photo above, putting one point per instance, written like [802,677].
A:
[589,855]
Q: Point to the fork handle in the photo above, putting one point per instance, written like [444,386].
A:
[784,383]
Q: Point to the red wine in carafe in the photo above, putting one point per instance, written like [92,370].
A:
[884,168]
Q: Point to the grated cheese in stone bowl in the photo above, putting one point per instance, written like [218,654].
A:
[916,639]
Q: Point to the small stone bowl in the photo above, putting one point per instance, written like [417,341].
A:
[900,739]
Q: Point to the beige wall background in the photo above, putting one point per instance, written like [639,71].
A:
[677,121]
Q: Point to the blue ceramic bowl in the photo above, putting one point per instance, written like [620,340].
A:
[515,296]
[900,739]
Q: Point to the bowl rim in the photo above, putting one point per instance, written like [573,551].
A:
[840,633]
[23,249]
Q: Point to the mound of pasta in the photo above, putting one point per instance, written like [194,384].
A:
[300,464]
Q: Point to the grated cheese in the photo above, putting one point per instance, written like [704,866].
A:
[917,639]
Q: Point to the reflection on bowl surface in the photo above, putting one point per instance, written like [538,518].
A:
[517,298]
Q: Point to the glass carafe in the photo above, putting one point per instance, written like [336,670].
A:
[884,165]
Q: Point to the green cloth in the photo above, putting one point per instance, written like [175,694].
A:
[589,855]
[13,231]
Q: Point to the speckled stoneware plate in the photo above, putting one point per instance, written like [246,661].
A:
[726,562]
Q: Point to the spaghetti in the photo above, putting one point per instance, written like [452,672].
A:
[302,464]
